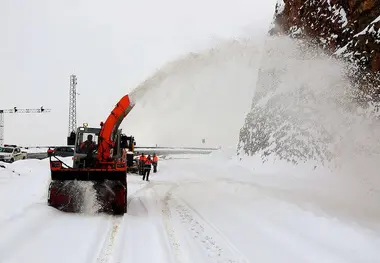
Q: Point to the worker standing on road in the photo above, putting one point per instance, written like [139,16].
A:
[50,152]
[141,163]
[155,162]
[147,168]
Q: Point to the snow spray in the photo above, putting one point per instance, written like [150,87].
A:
[198,100]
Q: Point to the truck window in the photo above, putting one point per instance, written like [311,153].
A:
[6,150]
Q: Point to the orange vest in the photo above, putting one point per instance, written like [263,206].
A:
[155,159]
[148,161]
[142,158]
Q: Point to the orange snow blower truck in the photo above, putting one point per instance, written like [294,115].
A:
[99,167]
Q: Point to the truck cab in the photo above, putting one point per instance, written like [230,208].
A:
[80,156]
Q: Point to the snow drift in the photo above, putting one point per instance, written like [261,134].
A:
[203,95]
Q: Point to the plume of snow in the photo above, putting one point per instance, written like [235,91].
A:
[203,95]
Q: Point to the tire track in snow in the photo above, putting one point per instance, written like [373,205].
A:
[154,203]
[100,234]
[142,229]
[119,243]
[277,232]
[212,248]
[122,237]
[114,234]
[216,245]
[168,225]
[169,217]
[107,245]
[162,210]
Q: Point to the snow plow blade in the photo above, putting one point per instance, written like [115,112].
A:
[95,175]
[71,188]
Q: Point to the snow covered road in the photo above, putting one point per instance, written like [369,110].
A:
[201,209]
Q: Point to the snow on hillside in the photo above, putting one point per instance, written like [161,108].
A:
[357,48]
[347,30]
[305,128]
[303,110]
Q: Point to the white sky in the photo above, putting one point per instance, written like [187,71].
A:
[111,46]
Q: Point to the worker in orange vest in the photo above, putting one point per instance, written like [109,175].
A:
[147,168]
[50,152]
[141,163]
[155,162]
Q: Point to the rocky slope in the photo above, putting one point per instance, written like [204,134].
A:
[300,111]
[348,28]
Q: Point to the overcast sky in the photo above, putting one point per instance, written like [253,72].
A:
[111,46]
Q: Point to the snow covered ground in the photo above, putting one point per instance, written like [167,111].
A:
[198,209]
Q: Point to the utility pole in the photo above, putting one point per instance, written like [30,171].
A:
[1,127]
[15,110]
[72,110]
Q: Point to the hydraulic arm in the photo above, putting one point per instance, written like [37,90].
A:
[110,127]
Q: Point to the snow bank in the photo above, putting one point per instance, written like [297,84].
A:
[23,184]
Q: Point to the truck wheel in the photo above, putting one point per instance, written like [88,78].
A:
[12,160]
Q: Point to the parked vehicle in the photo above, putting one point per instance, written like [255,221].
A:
[10,154]
[63,151]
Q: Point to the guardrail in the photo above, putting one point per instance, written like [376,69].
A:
[182,148]
[137,147]
[146,150]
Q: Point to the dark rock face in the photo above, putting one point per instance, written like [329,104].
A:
[347,28]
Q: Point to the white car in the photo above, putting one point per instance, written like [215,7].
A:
[11,154]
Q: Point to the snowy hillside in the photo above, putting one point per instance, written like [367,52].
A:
[309,108]
[303,116]
[303,108]
[349,29]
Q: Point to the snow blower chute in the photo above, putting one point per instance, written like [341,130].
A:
[99,160]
